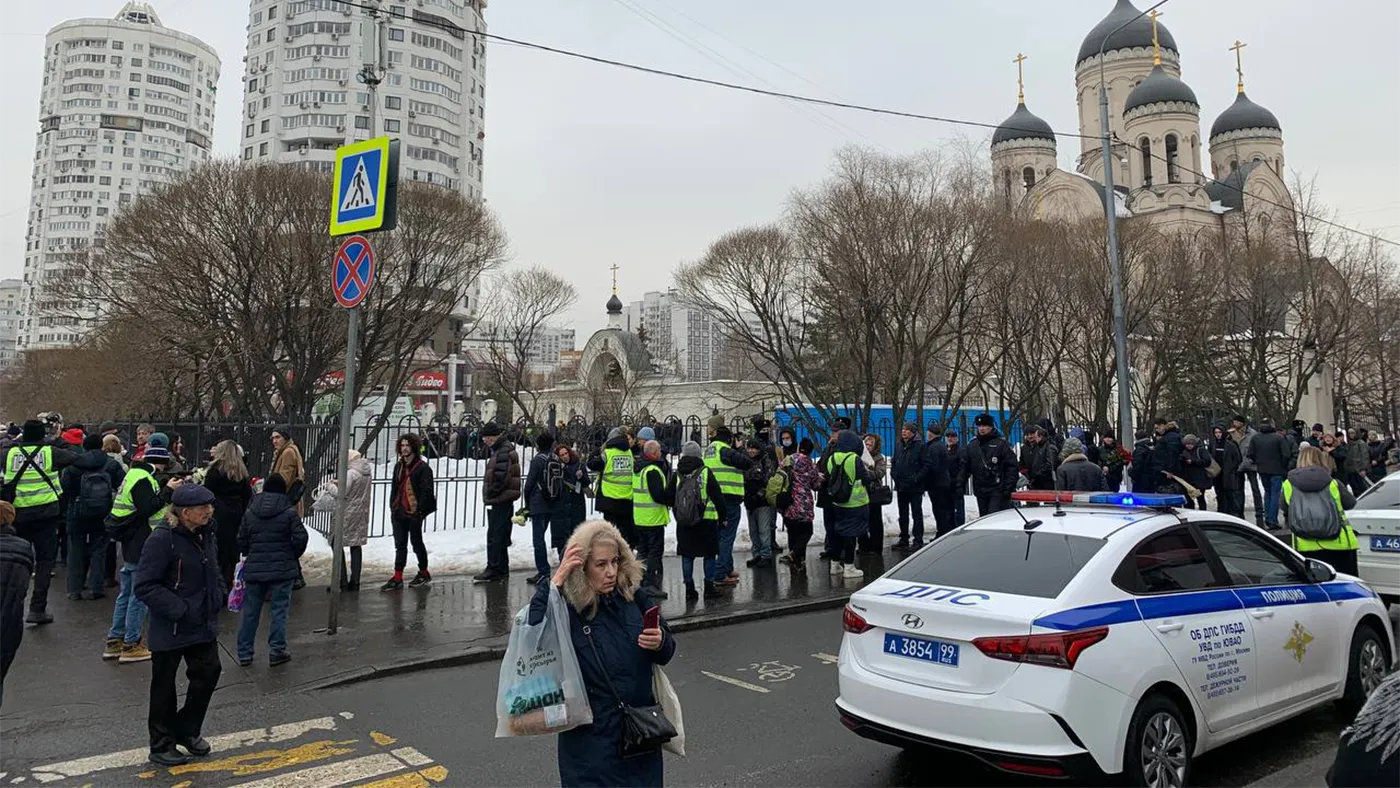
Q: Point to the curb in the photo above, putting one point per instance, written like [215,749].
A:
[478,654]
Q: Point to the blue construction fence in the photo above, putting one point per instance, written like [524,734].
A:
[807,422]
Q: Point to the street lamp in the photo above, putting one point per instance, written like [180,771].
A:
[1110,207]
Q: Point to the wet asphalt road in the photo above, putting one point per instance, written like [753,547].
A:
[758,701]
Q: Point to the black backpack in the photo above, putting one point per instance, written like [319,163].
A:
[689,507]
[552,485]
[838,485]
[95,496]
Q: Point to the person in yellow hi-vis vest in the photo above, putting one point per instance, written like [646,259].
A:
[1314,506]
[614,466]
[139,508]
[650,515]
[31,482]
[727,465]
[846,480]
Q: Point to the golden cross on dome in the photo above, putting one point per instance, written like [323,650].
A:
[1239,64]
[1020,78]
[1156,45]
[614,273]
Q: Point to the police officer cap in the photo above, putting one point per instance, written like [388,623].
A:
[984,420]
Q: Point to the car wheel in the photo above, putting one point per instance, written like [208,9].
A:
[1366,668]
[1159,751]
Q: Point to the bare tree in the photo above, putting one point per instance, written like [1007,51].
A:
[523,303]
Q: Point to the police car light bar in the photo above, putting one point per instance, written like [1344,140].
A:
[1126,500]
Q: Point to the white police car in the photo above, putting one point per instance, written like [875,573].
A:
[1107,633]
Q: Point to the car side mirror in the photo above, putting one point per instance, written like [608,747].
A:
[1318,572]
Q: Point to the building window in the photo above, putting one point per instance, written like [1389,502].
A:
[391,125]
[361,122]
[262,149]
[248,132]
[1234,164]
[1173,160]
[395,34]
[1028,177]
[272,12]
[1145,146]
[393,102]
[267,125]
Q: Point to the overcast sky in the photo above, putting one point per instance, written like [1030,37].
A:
[589,165]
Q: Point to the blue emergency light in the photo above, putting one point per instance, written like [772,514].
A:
[1125,500]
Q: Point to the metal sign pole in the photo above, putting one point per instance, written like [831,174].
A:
[347,415]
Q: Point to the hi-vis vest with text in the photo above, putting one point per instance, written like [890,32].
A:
[37,485]
[616,479]
[731,481]
[123,506]
[645,510]
[846,461]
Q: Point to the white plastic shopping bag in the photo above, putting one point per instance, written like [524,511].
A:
[541,687]
[671,704]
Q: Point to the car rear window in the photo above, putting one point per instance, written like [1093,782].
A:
[1029,563]
[1384,494]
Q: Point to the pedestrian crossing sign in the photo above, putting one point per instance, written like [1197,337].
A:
[365,183]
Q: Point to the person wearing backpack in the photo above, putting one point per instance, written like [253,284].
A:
[846,480]
[30,479]
[697,501]
[139,508]
[540,493]
[798,509]
[90,486]
[1315,505]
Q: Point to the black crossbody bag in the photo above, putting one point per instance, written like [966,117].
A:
[644,728]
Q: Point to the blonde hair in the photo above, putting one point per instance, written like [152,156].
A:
[629,570]
[1309,456]
[229,457]
[112,445]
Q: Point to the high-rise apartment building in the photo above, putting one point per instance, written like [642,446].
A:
[11,308]
[305,95]
[127,103]
[682,339]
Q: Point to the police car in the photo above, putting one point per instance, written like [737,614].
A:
[1376,520]
[1103,633]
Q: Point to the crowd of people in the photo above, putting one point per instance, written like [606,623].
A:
[171,538]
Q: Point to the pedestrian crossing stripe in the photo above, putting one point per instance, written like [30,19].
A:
[363,185]
[316,753]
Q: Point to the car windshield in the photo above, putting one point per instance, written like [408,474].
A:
[1384,494]
[1029,563]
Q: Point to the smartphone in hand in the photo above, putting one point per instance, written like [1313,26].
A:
[652,618]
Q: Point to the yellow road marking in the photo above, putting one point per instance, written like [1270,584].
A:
[382,739]
[268,760]
[183,784]
[418,779]
[736,682]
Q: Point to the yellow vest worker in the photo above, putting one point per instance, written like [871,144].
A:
[651,516]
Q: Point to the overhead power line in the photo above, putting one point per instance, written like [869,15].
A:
[448,26]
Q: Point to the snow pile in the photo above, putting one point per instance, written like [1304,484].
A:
[462,549]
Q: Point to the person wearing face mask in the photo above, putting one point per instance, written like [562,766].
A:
[178,580]
[600,578]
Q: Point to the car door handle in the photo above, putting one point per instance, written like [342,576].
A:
[1262,613]
[1170,627]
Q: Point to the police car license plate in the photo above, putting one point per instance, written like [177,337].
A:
[919,648]
[1385,544]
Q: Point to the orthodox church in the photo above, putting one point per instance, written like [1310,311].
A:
[1160,173]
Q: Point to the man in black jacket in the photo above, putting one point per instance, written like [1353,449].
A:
[1229,483]
[90,487]
[1271,455]
[1166,455]
[411,500]
[939,484]
[908,476]
[957,474]
[16,564]
[539,503]
[1039,458]
[1142,473]
[992,466]
[500,489]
